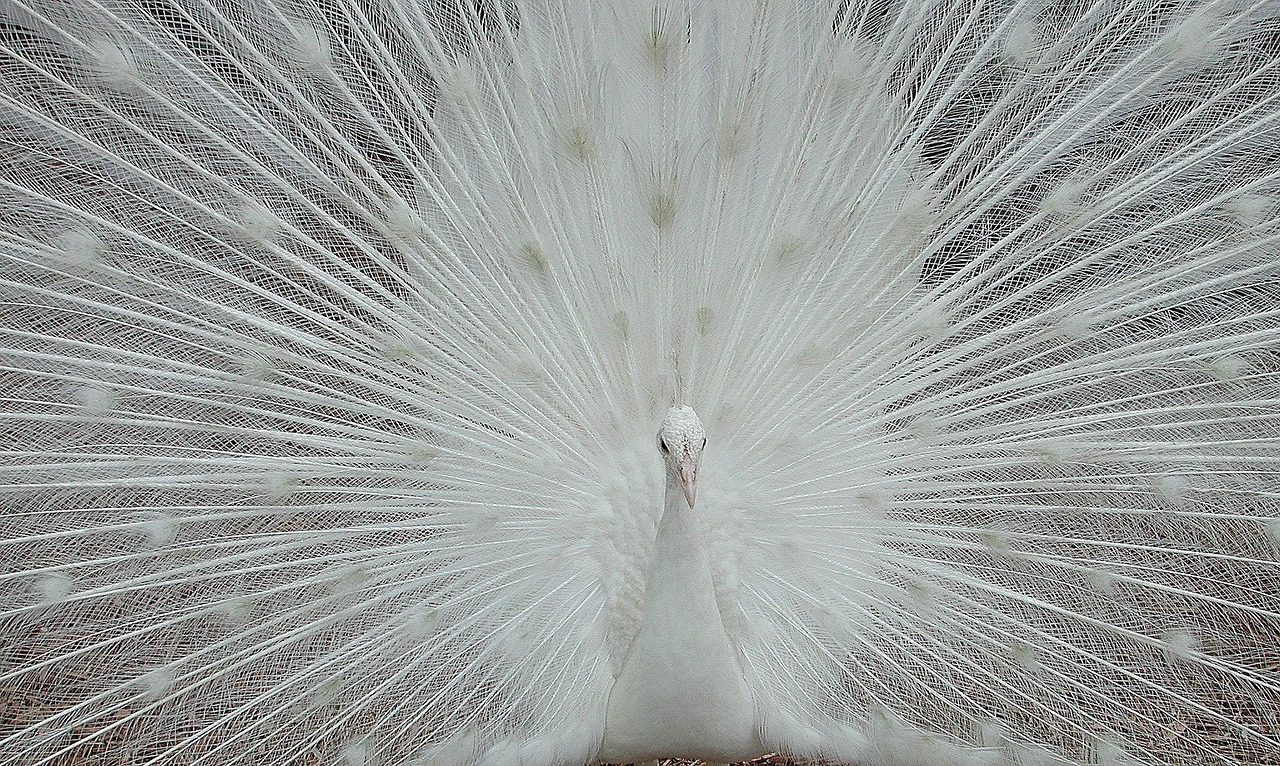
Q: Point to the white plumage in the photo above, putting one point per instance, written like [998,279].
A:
[336,334]
[681,687]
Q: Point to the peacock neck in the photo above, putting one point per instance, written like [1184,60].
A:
[681,691]
[680,584]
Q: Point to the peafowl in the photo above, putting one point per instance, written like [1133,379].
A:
[541,382]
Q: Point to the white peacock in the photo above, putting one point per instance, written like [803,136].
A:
[336,333]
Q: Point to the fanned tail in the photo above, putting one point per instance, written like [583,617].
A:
[336,334]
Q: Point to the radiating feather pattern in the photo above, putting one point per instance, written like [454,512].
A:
[336,336]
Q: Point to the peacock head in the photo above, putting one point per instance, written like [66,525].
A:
[680,440]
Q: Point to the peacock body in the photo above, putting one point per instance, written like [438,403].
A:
[337,333]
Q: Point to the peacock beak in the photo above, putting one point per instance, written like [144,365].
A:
[688,479]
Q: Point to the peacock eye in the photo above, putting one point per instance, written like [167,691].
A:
[663,447]
[704,442]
